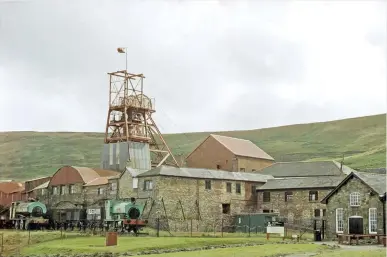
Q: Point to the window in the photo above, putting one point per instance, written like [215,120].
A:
[339,220]
[288,196]
[135,183]
[55,190]
[208,184]
[148,185]
[218,167]
[100,191]
[62,190]
[372,220]
[226,208]
[242,169]
[43,191]
[324,212]
[238,188]
[317,213]
[354,199]
[253,170]
[113,186]
[266,197]
[265,211]
[72,189]
[253,190]
[228,187]
[313,196]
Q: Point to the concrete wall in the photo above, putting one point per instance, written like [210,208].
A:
[252,164]
[299,209]
[210,154]
[341,200]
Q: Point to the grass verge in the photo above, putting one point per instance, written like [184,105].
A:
[253,251]
[353,253]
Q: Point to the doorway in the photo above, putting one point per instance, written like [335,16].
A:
[355,225]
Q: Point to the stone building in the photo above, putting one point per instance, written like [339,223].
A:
[298,187]
[203,195]
[30,185]
[229,154]
[72,188]
[296,198]
[357,205]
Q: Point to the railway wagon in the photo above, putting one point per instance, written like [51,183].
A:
[28,215]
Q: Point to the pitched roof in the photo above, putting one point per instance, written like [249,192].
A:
[242,147]
[99,181]
[376,182]
[41,186]
[305,169]
[381,170]
[205,174]
[11,187]
[301,183]
[89,174]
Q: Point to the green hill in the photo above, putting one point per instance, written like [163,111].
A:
[362,141]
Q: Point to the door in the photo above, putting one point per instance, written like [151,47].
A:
[355,225]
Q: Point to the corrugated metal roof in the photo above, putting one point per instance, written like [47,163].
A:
[242,147]
[89,174]
[205,174]
[302,182]
[41,186]
[99,181]
[11,187]
[306,169]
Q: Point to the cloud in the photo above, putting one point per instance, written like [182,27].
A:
[210,65]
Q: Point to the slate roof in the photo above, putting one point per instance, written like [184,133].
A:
[205,174]
[305,169]
[376,170]
[302,183]
[377,182]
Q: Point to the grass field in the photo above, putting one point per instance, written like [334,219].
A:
[362,141]
[132,244]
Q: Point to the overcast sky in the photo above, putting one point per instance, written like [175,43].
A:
[211,65]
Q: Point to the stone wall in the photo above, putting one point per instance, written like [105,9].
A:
[178,200]
[341,200]
[298,209]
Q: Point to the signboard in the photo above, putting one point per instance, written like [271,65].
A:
[275,230]
[94,211]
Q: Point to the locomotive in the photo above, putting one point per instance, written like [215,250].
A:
[121,215]
[28,215]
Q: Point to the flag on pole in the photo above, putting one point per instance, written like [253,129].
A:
[121,50]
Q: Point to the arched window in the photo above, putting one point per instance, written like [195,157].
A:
[354,199]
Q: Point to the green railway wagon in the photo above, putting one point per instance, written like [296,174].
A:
[256,222]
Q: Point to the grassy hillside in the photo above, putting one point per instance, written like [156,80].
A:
[362,141]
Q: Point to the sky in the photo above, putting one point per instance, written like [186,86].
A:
[210,65]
